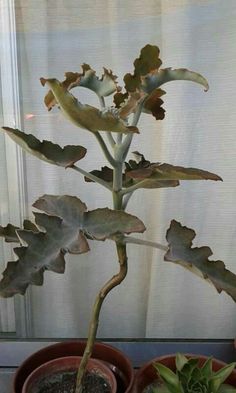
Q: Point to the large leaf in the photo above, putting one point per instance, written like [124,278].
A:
[46,150]
[142,87]
[86,116]
[196,259]
[103,86]
[64,229]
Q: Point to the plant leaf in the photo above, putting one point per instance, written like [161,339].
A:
[220,376]
[103,86]
[86,116]
[63,229]
[196,259]
[169,377]
[180,361]
[207,368]
[46,150]
[142,87]
[225,388]
[105,173]
[9,233]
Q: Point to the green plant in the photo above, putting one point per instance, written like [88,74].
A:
[191,378]
[64,225]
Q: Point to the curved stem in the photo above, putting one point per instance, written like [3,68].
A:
[110,139]
[92,177]
[105,150]
[112,283]
[126,200]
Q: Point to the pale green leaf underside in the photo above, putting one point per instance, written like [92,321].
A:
[46,150]
[196,259]
[63,229]
[86,116]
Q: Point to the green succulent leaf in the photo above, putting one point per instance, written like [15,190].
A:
[46,151]
[86,116]
[103,87]
[169,377]
[180,361]
[63,229]
[220,376]
[196,259]
[225,388]
[207,367]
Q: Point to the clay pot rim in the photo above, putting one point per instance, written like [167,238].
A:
[93,364]
[123,364]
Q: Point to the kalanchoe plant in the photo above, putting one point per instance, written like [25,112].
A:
[64,225]
[191,378]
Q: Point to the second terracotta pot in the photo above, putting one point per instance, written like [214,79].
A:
[116,360]
[147,374]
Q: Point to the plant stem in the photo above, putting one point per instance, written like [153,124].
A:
[105,150]
[134,240]
[93,326]
[110,139]
[92,177]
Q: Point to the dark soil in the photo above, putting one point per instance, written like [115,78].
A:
[65,383]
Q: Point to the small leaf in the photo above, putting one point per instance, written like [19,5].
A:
[153,104]
[180,361]
[105,174]
[196,259]
[46,151]
[220,376]
[225,388]
[86,116]
[103,87]
[169,377]
[207,368]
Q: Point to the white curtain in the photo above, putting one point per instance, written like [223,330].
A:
[157,299]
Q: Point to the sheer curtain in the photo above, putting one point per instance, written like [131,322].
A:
[157,299]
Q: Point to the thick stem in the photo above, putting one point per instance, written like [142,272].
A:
[112,283]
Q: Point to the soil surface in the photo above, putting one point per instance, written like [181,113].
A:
[65,383]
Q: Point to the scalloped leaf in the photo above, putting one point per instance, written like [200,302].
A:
[86,116]
[196,259]
[142,87]
[46,150]
[103,87]
[10,231]
[65,227]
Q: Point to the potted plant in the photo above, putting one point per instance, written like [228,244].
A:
[64,225]
[185,374]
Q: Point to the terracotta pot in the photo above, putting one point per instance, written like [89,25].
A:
[114,359]
[64,364]
[147,374]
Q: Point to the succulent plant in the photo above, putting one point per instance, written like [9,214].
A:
[63,225]
[191,378]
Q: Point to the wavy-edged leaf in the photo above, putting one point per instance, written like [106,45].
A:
[103,87]
[86,116]
[105,173]
[9,233]
[157,171]
[196,259]
[63,229]
[142,87]
[46,150]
